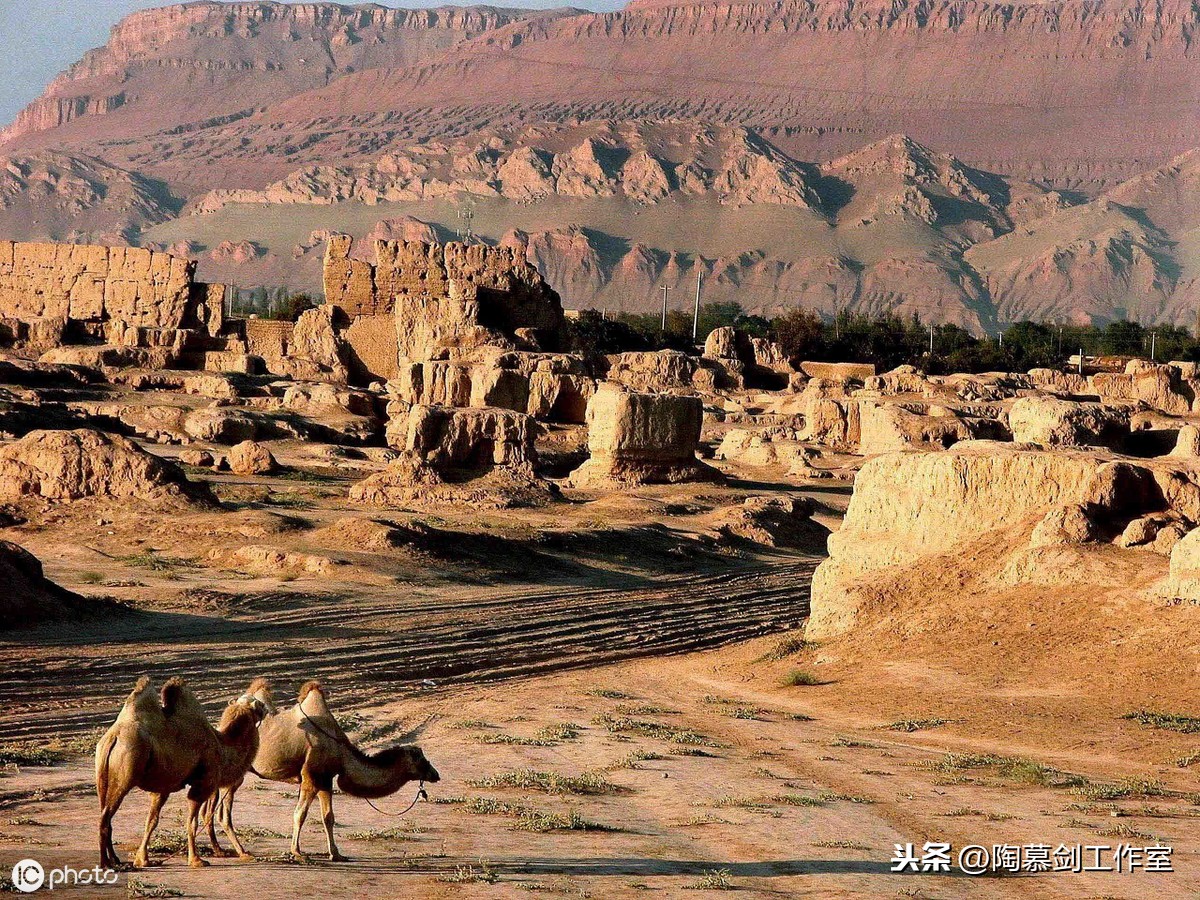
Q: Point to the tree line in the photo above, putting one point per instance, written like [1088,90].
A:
[887,340]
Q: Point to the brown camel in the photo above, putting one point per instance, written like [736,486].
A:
[305,745]
[161,744]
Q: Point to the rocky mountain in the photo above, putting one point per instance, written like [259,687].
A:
[61,197]
[971,162]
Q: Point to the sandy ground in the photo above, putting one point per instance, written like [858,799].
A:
[765,801]
[630,664]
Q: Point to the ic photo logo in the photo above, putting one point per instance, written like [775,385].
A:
[28,875]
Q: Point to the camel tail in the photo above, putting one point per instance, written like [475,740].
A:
[104,751]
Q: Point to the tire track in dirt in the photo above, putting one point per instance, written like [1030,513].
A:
[372,643]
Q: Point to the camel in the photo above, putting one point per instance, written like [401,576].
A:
[160,744]
[305,745]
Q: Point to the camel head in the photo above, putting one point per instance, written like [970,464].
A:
[384,773]
[417,761]
[259,692]
[241,718]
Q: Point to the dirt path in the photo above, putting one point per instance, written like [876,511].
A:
[56,681]
[706,783]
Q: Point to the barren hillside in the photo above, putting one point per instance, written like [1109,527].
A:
[906,157]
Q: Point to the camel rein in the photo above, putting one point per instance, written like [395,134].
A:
[341,739]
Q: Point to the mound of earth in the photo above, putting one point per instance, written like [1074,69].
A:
[71,465]
[28,596]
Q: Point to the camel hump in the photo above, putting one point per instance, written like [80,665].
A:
[310,687]
[177,699]
[141,687]
[312,701]
[143,698]
[261,688]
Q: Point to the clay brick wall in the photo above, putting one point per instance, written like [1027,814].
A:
[444,296]
[373,348]
[268,338]
[90,283]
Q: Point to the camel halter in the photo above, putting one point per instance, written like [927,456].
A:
[421,793]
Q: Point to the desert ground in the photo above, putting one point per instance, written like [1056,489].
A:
[602,687]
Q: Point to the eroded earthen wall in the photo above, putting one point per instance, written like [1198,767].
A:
[90,283]
[445,297]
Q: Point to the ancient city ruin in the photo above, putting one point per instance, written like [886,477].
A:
[637,451]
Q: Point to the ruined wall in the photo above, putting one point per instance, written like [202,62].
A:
[88,283]
[268,338]
[372,348]
[447,299]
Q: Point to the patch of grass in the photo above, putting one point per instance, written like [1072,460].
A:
[168,840]
[854,743]
[556,885]
[135,887]
[257,831]
[911,725]
[1165,721]
[24,753]
[1125,830]
[643,709]
[625,724]
[714,880]
[750,713]
[731,802]
[797,800]
[631,759]
[528,818]
[589,783]
[1009,768]
[541,822]
[789,645]
[1188,759]
[395,833]
[157,563]
[470,875]
[609,694]
[840,845]
[830,797]
[704,819]
[964,811]
[473,724]
[1127,789]
[308,477]
[288,501]
[562,731]
[800,678]
[514,740]
[91,578]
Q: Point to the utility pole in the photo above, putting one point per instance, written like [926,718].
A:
[931,339]
[1080,360]
[1153,338]
[664,309]
[696,312]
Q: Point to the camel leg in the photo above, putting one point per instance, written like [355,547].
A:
[141,858]
[308,791]
[108,853]
[326,796]
[226,813]
[193,820]
[209,811]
